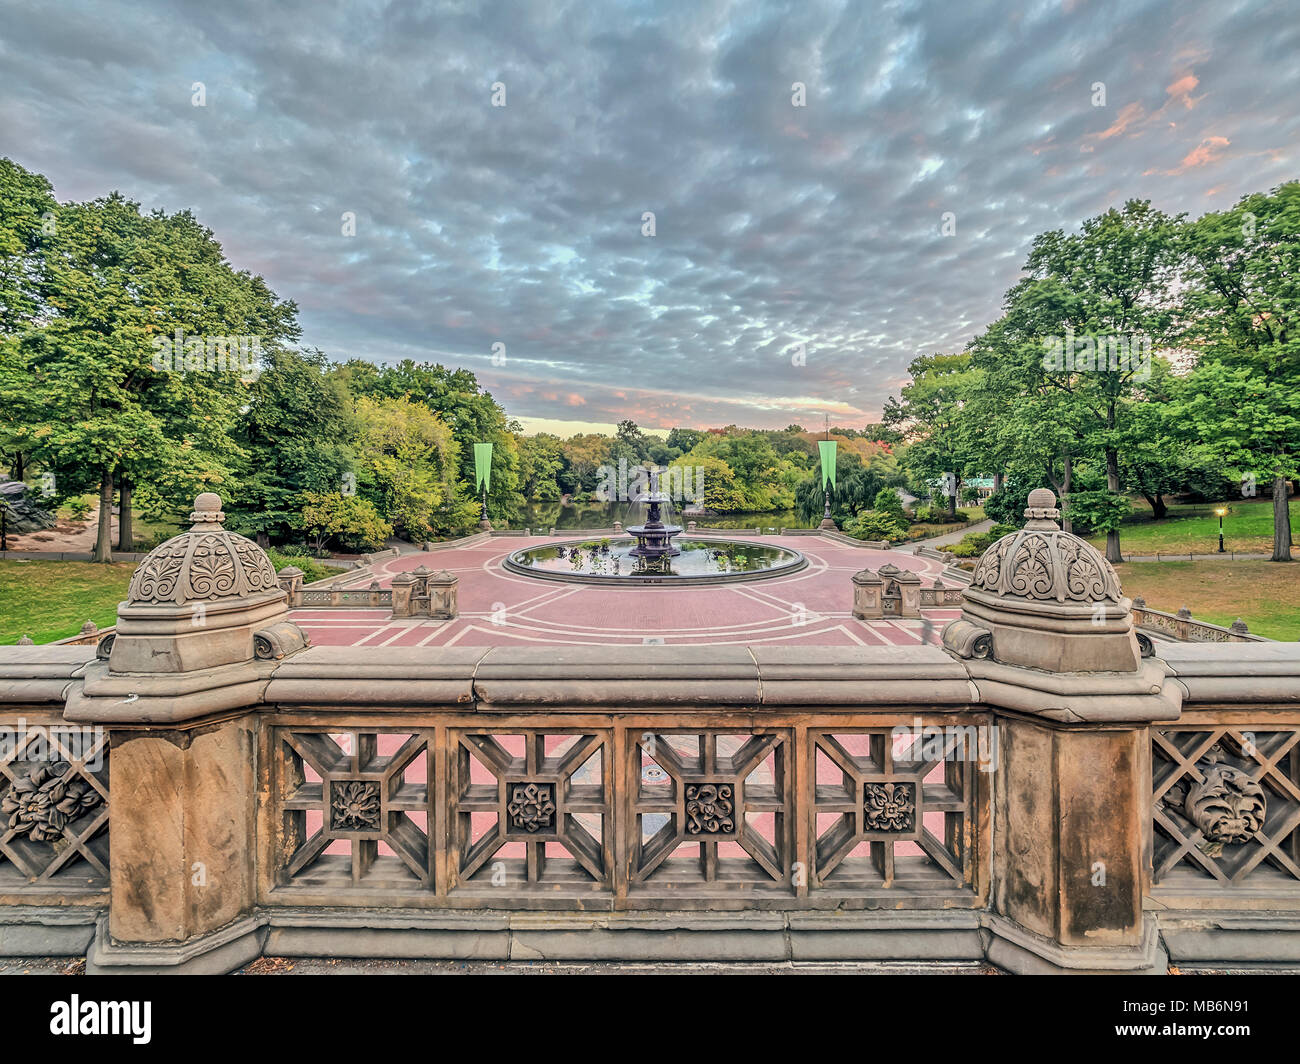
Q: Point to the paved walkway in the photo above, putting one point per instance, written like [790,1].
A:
[948,537]
[498,608]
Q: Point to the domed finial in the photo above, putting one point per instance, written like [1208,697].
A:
[207,515]
[1041,513]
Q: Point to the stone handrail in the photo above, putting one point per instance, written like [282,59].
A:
[1183,627]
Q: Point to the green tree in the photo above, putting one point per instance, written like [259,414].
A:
[1242,310]
[350,518]
[929,414]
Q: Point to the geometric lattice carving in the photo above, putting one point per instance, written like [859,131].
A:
[895,810]
[358,808]
[724,794]
[530,808]
[54,805]
[1226,803]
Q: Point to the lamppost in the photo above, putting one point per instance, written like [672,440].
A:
[827,449]
[1221,511]
[483,474]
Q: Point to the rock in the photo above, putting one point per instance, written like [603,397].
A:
[24,514]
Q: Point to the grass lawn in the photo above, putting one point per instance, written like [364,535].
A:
[1247,528]
[1266,595]
[52,600]
[928,530]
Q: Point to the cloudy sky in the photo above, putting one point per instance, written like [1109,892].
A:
[775,225]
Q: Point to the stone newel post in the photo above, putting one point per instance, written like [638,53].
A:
[203,626]
[1050,643]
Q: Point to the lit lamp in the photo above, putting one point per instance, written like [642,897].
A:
[483,477]
[1221,511]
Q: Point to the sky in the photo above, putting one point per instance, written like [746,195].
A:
[698,214]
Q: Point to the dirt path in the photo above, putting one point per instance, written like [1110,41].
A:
[67,535]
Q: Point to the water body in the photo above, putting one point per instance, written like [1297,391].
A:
[540,516]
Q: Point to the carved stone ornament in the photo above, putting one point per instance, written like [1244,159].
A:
[1041,562]
[710,809]
[532,806]
[889,807]
[42,803]
[354,805]
[204,564]
[1228,806]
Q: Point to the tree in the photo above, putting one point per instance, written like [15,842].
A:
[1242,310]
[1098,300]
[1251,425]
[87,392]
[293,438]
[929,415]
[410,461]
[26,207]
[354,520]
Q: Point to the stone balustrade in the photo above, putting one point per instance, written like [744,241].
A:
[1046,790]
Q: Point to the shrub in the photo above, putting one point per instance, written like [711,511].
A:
[965,550]
[874,524]
[1000,530]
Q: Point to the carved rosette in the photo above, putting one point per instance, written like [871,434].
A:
[532,807]
[354,805]
[202,565]
[710,809]
[889,807]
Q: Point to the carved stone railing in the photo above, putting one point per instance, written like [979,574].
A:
[1183,627]
[373,597]
[1048,790]
[649,810]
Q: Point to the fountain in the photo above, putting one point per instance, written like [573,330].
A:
[654,538]
[651,555]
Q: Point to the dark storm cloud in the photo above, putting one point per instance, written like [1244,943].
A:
[776,225]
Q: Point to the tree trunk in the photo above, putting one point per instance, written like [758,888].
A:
[1281,522]
[1066,523]
[952,499]
[997,482]
[1113,554]
[104,535]
[125,533]
[1159,509]
[263,540]
[17,470]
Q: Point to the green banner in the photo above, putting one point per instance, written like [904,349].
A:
[827,448]
[482,466]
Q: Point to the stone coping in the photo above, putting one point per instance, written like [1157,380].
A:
[671,677]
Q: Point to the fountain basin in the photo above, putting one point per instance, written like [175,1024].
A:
[698,561]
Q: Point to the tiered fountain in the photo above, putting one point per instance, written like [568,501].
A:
[654,539]
[646,555]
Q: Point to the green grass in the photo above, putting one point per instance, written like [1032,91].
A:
[1247,529]
[52,600]
[1266,595]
